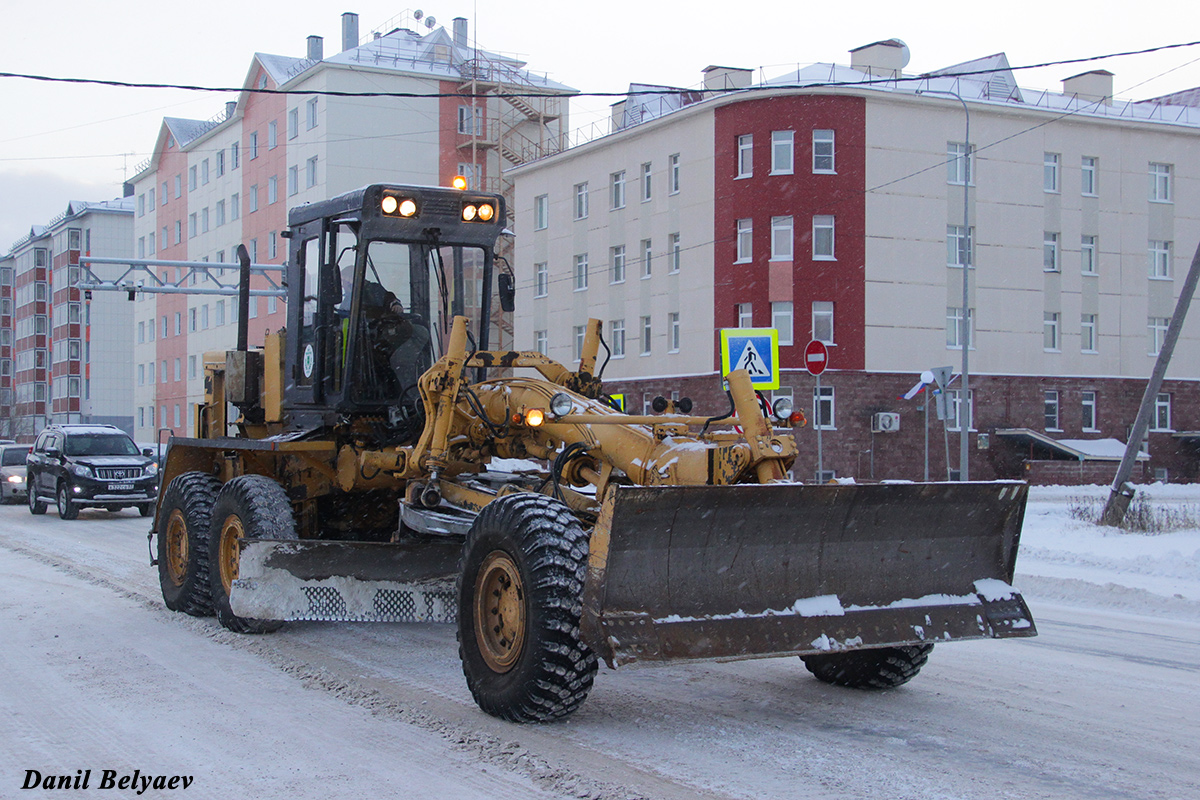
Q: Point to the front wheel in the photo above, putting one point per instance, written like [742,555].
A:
[879,668]
[182,530]
[66,506]
[248,507]
[520,590]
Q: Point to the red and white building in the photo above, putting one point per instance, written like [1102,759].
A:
[828,204]
[64,355]
[211,185]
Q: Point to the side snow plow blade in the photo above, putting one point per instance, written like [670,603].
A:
[721,572]
[291,579]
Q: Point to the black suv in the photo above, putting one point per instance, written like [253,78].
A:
[89,465]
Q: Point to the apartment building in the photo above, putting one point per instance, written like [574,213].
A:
[829,204]
[212,185]
[64,353]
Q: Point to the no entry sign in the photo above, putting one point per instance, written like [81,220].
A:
[816,357]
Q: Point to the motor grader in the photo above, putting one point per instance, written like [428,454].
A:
[376,461]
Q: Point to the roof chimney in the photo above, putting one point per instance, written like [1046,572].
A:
[882,59]
[460,32]
[1093,86]
[349,31]
[718,78]
[316,48]
[230,107]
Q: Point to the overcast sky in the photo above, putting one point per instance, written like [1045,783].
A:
[62,142]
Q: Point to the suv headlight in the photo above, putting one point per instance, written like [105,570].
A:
[150,469]
[82,470]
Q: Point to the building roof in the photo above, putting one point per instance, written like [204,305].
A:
[1046,447]
[1186,97]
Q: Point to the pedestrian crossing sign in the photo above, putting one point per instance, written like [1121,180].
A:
[755,350]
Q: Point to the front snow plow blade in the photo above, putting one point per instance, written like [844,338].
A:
[729,572]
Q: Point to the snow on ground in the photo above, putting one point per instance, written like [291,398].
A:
[1061,558]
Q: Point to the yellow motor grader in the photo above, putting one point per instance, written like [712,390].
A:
[383,465]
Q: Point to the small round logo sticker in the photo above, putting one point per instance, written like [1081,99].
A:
[309,360]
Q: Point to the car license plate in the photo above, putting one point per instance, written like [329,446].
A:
[119,487]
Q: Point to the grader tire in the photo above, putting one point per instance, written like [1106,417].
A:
[520,590]
[253,507]
[183,543]
[881,668]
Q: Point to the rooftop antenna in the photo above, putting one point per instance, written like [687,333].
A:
[418,14]
[905,54]
[430,22]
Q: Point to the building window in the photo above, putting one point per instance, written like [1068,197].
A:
[192,225]
[235,206]
[781,238]
[581,272]
[782,152]
[541,342]
[673,174]
[204,220]
[293,123]
[956,420]
[1050,331]
[1160,183]
[141,373]
[1050,406]
[1158,333]
[253,146]
[311,113]
[745,155]
[745,241]
[822,321]
[954,324]
[822,233]
[310,173]
[272,189]
[781,320]
[541,212]
[616,335]
[1050,261]
[646,331]
[616,256]
[581,200]
[673,332]
[647,253]
[745,315]
[470,121]
[220,213]
[1087,333]
[674,253]
[1088,402]
[178,368]
[960,249]
[579,335]
[647,182]
[1160,259]
[253,199]
[541,279]
[617,187]
[1050,167]
[1162,412]
[1087,255]
[293,180]
[235,151]
[960,163]
[822,151]
[178,231]
[192,178]
[1090,176]
[823,407]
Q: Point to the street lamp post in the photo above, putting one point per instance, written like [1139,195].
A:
[964,338]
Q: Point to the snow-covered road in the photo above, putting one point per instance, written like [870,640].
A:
[98,675]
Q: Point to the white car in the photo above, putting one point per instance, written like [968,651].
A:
[12,472]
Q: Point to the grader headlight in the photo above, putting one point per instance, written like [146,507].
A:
[393,206]
[561,404]
[534,417]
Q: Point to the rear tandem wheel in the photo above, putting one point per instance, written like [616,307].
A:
[877,668]
[520,590]
[250,507]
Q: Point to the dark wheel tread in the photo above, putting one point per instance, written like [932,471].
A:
[194,493]
[266,513]
[880,668]
[559,668]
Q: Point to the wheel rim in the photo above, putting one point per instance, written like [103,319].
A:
[228,550]
[499,611]
[177,547]
[62,499]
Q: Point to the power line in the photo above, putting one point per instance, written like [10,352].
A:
[656,91]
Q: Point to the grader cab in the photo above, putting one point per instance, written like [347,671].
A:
[384,465]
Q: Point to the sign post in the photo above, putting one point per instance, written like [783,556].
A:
[816,358]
